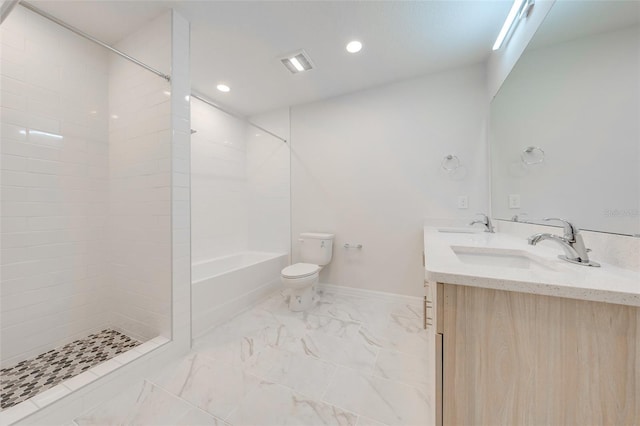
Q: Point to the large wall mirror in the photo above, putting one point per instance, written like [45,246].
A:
[565,125]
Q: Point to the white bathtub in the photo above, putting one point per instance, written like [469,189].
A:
[224,286]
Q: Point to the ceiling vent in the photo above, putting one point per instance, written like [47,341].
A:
[297,62]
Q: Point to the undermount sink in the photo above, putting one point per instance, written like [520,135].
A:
[501,258]
[460,230]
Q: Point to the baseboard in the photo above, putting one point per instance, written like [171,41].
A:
[235,307]
[358,292]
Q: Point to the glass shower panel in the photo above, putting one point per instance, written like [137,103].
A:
[268,182]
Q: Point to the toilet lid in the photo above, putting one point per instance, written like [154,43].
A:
[299,270]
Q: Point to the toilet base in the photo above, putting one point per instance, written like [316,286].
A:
[302,299]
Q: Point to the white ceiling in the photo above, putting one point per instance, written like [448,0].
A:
[240,43]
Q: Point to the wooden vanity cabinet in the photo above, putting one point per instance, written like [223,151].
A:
[510,358]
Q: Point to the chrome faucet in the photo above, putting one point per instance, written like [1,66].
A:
[486,221]
[571,243]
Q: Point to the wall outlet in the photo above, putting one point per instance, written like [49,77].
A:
[514,201]
[463,202]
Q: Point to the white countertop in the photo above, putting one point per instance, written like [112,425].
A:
[608,283]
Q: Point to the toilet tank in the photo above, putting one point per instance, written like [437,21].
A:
[316,248]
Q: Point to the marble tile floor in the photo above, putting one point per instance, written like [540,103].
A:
[348,361]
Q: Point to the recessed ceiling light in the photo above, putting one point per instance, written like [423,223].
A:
[296,64]
[354,46]
[223,88]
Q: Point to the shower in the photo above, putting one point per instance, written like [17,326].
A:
[86,218]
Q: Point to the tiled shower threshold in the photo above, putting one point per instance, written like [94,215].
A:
[41,380]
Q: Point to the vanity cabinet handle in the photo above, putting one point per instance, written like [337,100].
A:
[428,306]
[426,323]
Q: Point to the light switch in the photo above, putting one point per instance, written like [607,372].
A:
[463,202]
[514,201]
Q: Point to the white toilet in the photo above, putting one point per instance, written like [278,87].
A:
[316,251]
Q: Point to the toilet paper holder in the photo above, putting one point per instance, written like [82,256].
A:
[352,246]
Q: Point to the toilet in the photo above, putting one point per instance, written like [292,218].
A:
[316,250]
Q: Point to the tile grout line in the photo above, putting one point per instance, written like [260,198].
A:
[192,406]
[233,411]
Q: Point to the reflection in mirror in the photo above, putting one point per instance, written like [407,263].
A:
[565,132]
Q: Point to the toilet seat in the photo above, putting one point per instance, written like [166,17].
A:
[300,283]
[300,270]
[301,280]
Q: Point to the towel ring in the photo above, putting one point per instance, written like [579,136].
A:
[530,152]
[450,163]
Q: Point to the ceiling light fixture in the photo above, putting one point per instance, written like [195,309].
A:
[519,9]
[223,88]
[354,46]
[297,62]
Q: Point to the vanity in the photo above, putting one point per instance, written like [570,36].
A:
[522,337]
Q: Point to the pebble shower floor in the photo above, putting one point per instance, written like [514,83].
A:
[32,376]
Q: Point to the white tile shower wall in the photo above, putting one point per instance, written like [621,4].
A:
[219,192]
[367,166]
[269,183]
[140,183]
[53,95]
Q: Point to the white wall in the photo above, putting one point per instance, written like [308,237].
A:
[219,193]
[140,167]
[367,167]
[578,101]
[54,186]
[501,61]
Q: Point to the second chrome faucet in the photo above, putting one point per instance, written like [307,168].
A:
[572,243]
